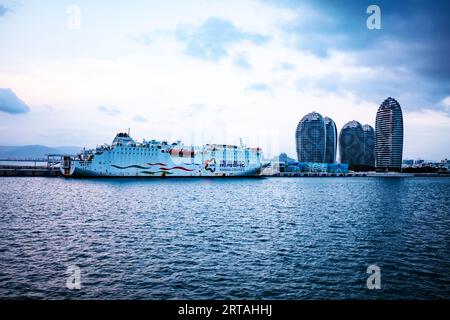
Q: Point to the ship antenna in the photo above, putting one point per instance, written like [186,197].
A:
[240,141]
[128,131]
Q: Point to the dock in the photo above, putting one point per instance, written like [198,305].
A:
[50,167]
[356,174]
[42,167]
[29,171]
[316,174]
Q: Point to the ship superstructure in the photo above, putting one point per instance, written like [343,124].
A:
[127,158]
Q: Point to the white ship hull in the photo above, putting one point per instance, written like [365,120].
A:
[125,158]
[79,169]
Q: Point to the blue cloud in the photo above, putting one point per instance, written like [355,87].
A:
[259,87]
[139,118]
[413,40]
[287,66]
[4,10]
[109,110]
[209,40]
[242,62]
[10,103]
[420,25]
[412,93]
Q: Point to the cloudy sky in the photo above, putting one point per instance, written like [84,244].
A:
[77,72]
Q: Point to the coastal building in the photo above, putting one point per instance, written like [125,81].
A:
[351,143]
[310,138]
[446,164]
[330,140]
[419,163]
[314,167]
[389,136]
[408,163]
[284,158]
[369,146]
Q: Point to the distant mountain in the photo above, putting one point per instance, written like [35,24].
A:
[4,149]
[34,151]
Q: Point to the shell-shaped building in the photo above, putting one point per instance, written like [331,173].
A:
[389,135]
[369,145]
[351,143]
[330,141]
[310,138]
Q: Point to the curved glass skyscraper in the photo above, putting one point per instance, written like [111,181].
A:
[389,135]
[330,141]
[351,143]
[310,138]
[369,146]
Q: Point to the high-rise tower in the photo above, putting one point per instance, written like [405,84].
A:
[351,143]
[389,135]
[310,138]
[369,146]
[331,140]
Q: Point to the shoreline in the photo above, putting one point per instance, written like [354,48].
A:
[55,172]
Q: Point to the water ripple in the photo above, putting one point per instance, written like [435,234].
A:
[294,238]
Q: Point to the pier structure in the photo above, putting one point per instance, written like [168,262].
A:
[40,167]
[318,174]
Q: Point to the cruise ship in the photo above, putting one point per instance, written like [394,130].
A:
[127,158]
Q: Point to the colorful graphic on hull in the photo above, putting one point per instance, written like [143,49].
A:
[153,173]
[210,165]
[152,164]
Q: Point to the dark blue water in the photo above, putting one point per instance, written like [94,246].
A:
[282,238]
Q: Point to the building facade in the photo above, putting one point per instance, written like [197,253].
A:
[369,146]
[314,167]
[351,143]
[310,138]
[389,136]
[330,140]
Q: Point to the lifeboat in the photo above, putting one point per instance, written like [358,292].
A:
[182,153]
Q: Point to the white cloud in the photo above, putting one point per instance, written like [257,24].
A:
[446,103]
[426,134]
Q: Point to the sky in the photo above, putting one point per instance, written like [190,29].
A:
[74,73]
